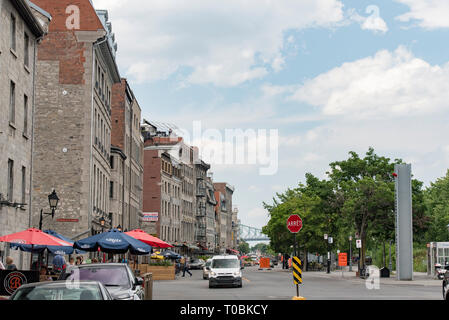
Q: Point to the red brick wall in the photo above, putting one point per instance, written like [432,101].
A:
[89,20]
[151,184]
[118,106]
[63,47]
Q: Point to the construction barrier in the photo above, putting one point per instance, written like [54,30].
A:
[264,263]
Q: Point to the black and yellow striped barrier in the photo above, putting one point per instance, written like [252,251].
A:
[297,270]
[297,276]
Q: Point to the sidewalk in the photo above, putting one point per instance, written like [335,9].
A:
[419,278]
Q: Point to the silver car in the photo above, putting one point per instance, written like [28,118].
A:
[62,290]
[116,277]
[206,269]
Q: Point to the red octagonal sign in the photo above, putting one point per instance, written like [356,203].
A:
[294,223]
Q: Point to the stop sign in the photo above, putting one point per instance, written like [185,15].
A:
[294,223]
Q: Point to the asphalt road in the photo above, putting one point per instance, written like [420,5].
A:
[278,285]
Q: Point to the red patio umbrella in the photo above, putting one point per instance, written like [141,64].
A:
[34,237]
[148,239]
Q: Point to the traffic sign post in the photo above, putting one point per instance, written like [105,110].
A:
[294,224]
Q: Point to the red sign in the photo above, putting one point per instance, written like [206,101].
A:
[342,259]
[68,220]
[294,223]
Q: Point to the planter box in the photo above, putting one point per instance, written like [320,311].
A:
[161,273]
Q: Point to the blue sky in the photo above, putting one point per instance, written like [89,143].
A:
[331,76]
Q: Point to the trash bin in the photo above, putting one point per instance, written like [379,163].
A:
[384,273]
[148,285]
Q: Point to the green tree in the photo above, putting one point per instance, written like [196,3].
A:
[437,207]
[244,247]
[366,186]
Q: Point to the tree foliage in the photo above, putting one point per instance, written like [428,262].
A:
[357,198]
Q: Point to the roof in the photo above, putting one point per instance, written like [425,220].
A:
[229,257]
[39,9]
[61,283]
[27,15]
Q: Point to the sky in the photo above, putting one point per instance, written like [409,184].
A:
[329,76]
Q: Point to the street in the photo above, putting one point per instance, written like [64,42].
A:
[277,284]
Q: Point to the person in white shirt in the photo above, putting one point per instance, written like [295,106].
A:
[2,267]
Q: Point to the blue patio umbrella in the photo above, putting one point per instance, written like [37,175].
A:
[168,254]
[115,242]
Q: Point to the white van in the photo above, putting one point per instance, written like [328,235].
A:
[225,270]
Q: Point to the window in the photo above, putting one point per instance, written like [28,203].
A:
[13,33]
[23,184]
[25,115]
[26,50]
[10,182]
[111,160]
[111,189]
[12,103]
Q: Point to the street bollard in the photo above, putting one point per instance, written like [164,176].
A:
[148,286]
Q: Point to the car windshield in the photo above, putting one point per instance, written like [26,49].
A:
[225,263]
[208,263]
[64,292]
[113,277]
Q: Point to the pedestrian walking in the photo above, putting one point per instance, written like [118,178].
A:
[10,266]
[71,261]
[185,268]
[59,263]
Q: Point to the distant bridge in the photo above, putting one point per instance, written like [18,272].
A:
[252,234]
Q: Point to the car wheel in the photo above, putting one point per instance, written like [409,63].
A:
[210,286]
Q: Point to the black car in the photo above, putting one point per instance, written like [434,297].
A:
[62,290]
[118,279]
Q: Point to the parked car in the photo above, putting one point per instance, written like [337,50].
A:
[206,269]
[225,270]
[118,279]
[196,264]
[62,290]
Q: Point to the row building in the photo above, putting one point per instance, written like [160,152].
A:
[182,204]
[72,128]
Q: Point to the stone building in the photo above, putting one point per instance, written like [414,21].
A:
[76,70]
[205,207]
[160,143]
[20,33]
[201,169]
[210,214]
[126,185]
[162,186]
[224,210]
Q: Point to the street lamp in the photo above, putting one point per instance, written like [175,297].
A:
[53,202]
[350,253]
[330,240]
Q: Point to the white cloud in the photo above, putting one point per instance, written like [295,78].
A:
[373,22]
[221,42]
[258,213]
[430,14]
[389,84]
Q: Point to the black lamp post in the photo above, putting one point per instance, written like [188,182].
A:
[350,253]
[102,223]
[53,202]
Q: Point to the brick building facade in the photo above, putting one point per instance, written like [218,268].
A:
[126,185]
[76,70]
